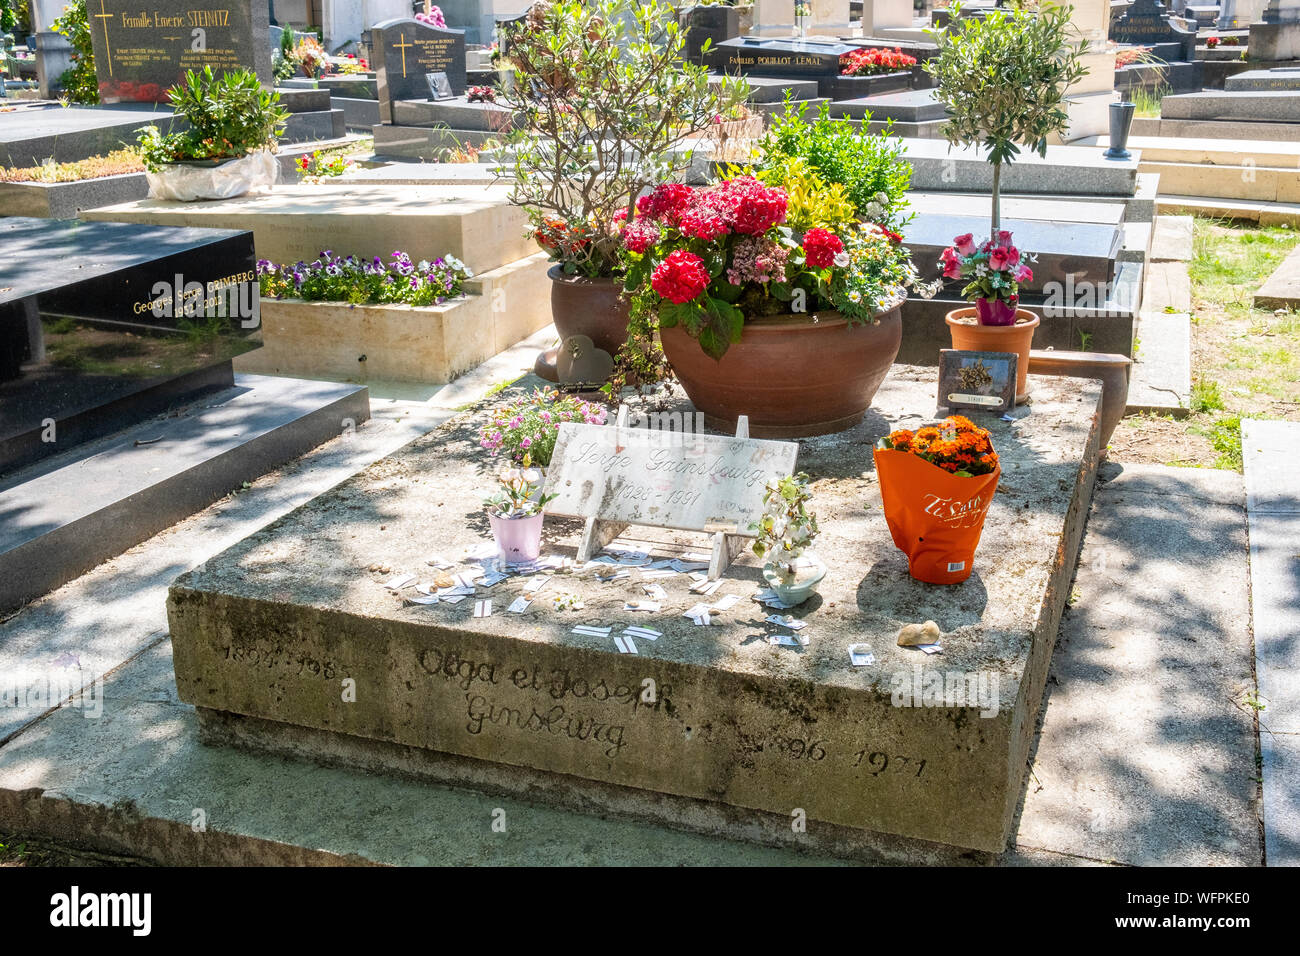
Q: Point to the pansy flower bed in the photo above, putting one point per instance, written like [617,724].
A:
[332,278]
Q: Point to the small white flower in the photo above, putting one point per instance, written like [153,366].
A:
[841,259]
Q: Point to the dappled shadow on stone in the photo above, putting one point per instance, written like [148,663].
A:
[1146,753]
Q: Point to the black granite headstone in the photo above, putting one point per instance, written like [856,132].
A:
[103,324]
[778,57]
[405,51]
[142,50]
[1147,23]
[710,23]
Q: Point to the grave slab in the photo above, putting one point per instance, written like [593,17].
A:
[1279,78]
[1282,289]
[1082,250]
[96,325]
[735,720]
[1065,171]
[474,223]
[911,106]
[31,136]
[1276,106]
[80,508]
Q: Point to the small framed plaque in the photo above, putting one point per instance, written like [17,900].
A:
[439,86]
[977,380]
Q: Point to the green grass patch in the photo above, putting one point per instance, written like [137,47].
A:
[1206,396]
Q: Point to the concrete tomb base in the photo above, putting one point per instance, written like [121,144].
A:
[291,640]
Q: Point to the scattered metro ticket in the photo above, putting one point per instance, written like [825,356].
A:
[649,633]
[726,602]
[625,644]
[519,605]
[930,648]
[399,582]
[655,591]
[483,608]
[788,640]
[424,599]
[591,630]
[860,655]
[651,606]
[699,614]
[791,622]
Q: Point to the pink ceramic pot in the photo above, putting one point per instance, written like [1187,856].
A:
[520,539]
[995,312]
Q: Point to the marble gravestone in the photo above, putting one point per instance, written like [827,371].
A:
[142,51]
[96,321]
[1147,23]
[710,23]
[1276,36]
[405,51]
[795,58]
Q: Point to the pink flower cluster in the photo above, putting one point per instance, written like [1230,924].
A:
[742,206]
[434,18]
[996,254]
[758,259]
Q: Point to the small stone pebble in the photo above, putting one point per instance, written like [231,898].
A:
[913,634]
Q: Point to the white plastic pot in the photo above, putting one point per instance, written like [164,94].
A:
[188,182]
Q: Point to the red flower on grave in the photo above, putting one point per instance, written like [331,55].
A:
[820,248]
[681,277]
[747,206]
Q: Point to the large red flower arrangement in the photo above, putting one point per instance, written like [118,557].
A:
[872,60]
[710,258]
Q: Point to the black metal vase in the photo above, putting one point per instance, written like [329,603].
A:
[1121,122]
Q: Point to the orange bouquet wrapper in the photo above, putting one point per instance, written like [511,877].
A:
[935,517]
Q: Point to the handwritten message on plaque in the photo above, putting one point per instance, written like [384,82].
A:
[664,479]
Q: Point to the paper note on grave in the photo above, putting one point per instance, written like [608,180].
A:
[664,479]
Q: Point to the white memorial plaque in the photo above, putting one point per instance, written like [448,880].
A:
[614,476]
[661,479]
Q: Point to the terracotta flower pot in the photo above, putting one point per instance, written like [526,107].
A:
[969,336]
[581,306]
[793,375]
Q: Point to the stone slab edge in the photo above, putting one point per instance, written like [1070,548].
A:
[1282,289]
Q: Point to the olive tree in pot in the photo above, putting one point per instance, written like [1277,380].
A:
[228,145]
[603,107]
[1003,78]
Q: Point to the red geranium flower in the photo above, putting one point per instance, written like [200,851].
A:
[702,223]
[667,202]
[821,247]
[747,206]
[681,277]
[640,235]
